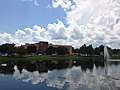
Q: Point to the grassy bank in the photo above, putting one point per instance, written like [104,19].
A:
[115,57]
[12,58]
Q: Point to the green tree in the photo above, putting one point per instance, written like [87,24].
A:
[76,50]
[31,49]
[51,50]
[11,49]
[7,48]
[83,49]
[109,50]
[21,50]
[62,50]
[38,51]
[3,48]
[116,51]
[89,50]
[96,51]
[101,47]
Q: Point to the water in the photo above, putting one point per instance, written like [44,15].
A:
[59,75]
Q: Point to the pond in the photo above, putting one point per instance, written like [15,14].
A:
[59,75]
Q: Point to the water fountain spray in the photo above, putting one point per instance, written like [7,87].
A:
[106,58]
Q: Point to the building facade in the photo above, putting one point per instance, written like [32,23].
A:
[66,46]
[42,46]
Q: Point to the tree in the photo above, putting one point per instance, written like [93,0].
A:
[7,48]
[3,48]
[62,50]
[116,51]
[83,49]
[11,49]
[76,51]
[96,51]
[109,50]
[31,49]
[101,47]
[89,50]
[38,51]
[21,50]
[51,50]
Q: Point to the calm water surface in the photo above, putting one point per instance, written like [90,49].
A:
[59,75]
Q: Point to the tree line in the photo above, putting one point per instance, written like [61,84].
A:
[11,49]
[90,51]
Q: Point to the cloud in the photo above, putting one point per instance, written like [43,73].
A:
[49,6]
[57,30]
[66,4]
[92,21]
[34,34]
[55,33]
[7,38]
[34,1]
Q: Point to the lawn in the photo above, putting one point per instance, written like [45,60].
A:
[12,58]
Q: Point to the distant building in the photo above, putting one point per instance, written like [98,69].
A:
[66,46]
[42,46]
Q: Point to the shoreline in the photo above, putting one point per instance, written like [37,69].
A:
[57,57]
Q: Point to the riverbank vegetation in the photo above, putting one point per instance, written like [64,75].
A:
[48,57]
[11,52]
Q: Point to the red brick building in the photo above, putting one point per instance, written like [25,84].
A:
[66,46]
[42,46]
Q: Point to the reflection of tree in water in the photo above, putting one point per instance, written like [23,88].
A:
[7,69]
[45,66]
[99,63]
[31,67]
[21,65]
[114,63]
[87,65]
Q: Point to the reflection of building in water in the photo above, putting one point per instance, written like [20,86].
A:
[45,66]
[70,63]
[42,46]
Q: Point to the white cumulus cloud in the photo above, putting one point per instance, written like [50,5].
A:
[57,30]
[92,21]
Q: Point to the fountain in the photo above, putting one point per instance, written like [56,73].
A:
[106,54]
[106,58]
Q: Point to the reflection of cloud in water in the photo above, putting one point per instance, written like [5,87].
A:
[2,75]
[74,77]
[26,76]
[56,83]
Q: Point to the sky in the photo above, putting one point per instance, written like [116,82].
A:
[67,22]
